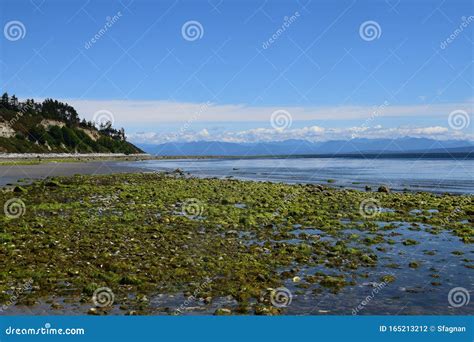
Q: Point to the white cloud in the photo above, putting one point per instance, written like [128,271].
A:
[310,133]
[188,115]
[147,112]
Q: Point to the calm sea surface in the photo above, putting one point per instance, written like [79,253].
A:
[434,175]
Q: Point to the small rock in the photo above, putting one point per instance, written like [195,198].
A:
[384,188]
[371,283]
[315,188]
[52,184]
[222,312]
[56,306]
[261,310]
[19,189]
[93,311]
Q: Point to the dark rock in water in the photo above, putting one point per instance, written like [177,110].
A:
[384,188]
[368,188]
[179,171]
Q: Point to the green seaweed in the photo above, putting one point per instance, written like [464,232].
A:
[133,234]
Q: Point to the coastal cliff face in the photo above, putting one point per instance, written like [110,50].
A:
[53,126]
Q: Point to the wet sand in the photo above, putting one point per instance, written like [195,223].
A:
[10,174]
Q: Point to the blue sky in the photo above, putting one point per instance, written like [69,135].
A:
[322,74]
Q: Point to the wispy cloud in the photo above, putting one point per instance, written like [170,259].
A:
[167,111]
[188,120]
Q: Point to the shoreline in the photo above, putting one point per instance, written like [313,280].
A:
[370,155]
[15,173]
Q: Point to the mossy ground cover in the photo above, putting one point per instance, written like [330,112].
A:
[149,234]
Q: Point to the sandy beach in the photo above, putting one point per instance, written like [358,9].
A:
[10,174]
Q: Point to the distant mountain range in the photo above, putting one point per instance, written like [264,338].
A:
[302,147]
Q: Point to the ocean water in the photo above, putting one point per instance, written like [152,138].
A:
[414,174]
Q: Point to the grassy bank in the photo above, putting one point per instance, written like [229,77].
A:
[142,235]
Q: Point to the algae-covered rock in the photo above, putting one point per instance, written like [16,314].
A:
[410,242]
[222,312]
[19,189]
[127,232]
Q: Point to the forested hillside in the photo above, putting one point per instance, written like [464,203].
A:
[53,126]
